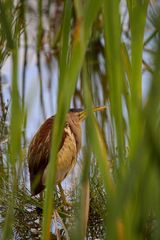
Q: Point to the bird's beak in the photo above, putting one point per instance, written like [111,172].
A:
[83,114]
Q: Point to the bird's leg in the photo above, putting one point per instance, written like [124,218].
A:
[65,202]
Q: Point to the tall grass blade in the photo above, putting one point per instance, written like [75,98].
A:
[75,63]
[112,29]
[137,10]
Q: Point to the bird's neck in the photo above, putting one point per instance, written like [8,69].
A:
[76,130]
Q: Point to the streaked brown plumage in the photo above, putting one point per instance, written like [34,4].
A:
[39,149]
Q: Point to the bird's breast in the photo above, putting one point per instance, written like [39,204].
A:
[66,158]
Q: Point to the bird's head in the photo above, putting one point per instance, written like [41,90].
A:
[75,118]
[81,114]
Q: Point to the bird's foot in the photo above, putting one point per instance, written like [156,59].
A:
[63,197]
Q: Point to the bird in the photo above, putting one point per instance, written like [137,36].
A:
[40,147]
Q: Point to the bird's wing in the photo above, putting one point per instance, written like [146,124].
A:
[38,154]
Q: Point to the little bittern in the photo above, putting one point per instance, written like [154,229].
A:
[39,149]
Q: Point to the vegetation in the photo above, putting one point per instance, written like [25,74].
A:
[100,53]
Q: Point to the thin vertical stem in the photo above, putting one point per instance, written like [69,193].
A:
[24,69]
[1,98]
[39,42]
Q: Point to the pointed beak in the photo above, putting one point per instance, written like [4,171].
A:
[83,114]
